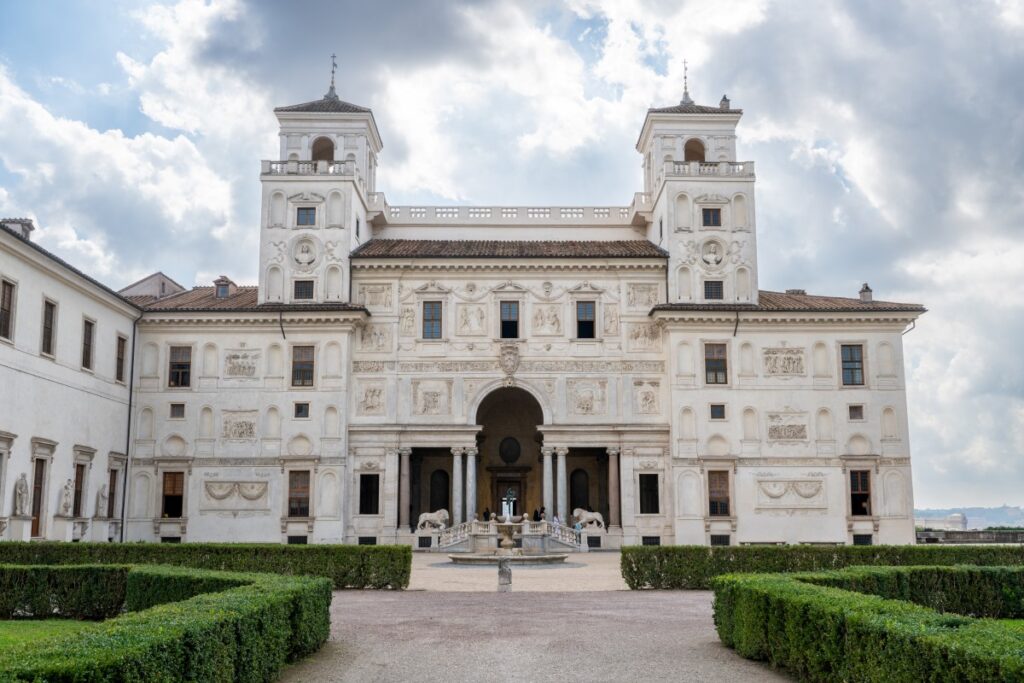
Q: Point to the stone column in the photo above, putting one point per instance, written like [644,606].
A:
[471,484]
[403,489]
[549,483]
[563,497]
[613,487]
[457,486]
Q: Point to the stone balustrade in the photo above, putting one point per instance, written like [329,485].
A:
[490,215]
[732,169]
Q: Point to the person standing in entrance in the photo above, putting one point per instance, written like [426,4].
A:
[536,515]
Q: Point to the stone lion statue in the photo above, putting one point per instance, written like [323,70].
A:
[588,518]
[434,520]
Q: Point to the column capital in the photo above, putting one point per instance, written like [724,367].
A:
[562,451]
[472,452]
[614,450]
[458,450]
[547,451]
[405,450]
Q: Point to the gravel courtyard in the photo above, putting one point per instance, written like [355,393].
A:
[452,626]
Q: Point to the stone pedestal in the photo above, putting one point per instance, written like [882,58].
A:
[19,529]
[62,529]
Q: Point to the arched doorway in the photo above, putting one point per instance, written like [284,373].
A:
[323,149]
[694,150]
[509,444]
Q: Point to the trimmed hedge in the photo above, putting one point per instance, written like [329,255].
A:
[245,630]
[81,592]
[695,566]
[817,631]
[348,566]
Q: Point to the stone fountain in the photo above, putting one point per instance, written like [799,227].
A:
[506,527]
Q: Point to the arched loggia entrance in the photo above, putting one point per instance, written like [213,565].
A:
[509,444]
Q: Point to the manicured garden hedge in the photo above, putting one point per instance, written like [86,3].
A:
[694,566]
[817,631]
[348,566]
[192,625]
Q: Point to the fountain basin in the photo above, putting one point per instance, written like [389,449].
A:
[492,559]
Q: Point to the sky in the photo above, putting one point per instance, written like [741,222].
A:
[888,137]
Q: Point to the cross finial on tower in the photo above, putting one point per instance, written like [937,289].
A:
[686,85]
[331,94]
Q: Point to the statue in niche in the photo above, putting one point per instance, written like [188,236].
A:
[101,501]
[21,496]
[712,254]
[67,498]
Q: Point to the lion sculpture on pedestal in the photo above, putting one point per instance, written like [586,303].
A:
[434,520]
[588,518]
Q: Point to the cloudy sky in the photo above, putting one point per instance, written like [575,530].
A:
[889,139]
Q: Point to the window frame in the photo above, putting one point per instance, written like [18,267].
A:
[78,500]
[641,477]
[849,412]
[12,309]
[292,496]
[863,364]
[725,360]
[715,495]
[164,495]
[592,303]
[120,358]
[433,320]
[88,344]
[52,353]
[721,290]
[170,410]
[299,212]
[226,288]
[113,490]
[312,366]
[713,211]
[295,410]
[304,281]
[171,362]
[864,478]
[510,304]
[711,412]
[376,499]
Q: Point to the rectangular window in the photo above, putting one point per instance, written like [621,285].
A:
[301,410]
[7,309]
[585,316]
[649,503]
[863,539]
[717,411]
[718,494]
[76,507]
[111,493]
[712,217]
[180,367]
[302,366]
[174,495]
[49,321]
[857,413]
[88,328]
[303,289]
[223,291]
[38,477]
[305,216]
[431,319]
[716,369]
[122,345]
[177,411]
[853,365]
[298,494]
[719,539]
[650,540]
[367,540]
[714,289]
[298,540]
[509,319]
[860,493]
[369,494]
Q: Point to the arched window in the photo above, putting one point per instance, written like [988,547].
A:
[323,149]
[694,150]
[438,490]
[579,490]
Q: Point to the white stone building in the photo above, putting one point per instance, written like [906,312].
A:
[397,360]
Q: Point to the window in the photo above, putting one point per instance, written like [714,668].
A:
[180,368]
[650,540]
[431,319]
[223,291]
[714,289]
[717,411]
[177,411]
[367,540]
[38,477]
[7,310]
[301,410]
[712,217]
[718,494]
[49,320]
[357,228]
[509,319]
[856,413]
[303,289]
[649,494]
[76,506]
[174,495]
[305,216]
[860,493]
[853,364]
[716,369]
[88,328]
[302,366]
[111,493]
[122,344]
[298,540]
[298,494]
[863,539]
[369,494]
[170,539]
[585,319]
[719,539]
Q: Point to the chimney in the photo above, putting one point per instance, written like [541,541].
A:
[724,102]
[22,227]
[865,293]
[802,292]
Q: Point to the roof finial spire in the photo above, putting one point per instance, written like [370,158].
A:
[686,85]
[331,95]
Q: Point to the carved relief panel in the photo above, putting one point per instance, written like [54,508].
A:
[471,320]
[644,337]
[375,338]
[641,296]
[784,362]
[239,425]
[407,322]
[587,396]
[647,397]
[791,494]
[376,297]
[241,363]
[611,320]
[431,397]
[235,496]
[787,426]
[370,398]
[547,320]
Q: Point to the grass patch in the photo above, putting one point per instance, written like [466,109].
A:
[17,631]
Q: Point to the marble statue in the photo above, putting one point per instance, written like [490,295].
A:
[436,520]
[67,498]
[21,496]
[588,518]
[101,501]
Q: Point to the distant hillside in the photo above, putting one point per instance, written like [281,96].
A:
[980,518]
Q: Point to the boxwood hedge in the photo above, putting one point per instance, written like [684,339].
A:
[819,629]
[348,566]
[695,566]
[190,625]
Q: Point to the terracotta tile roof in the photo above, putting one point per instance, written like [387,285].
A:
[243,300]
[693,109]
[140,299]
[794,303]
[391,248]
[330,105]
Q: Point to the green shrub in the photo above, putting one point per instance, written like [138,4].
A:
[81,592]
[194,625]
[818,631]
[694,567]
[348,566]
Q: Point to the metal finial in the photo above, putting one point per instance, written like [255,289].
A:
[331,94]
[686,85]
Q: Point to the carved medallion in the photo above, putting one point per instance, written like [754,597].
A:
[509,358]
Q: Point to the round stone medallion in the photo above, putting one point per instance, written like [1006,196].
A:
[509,450]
